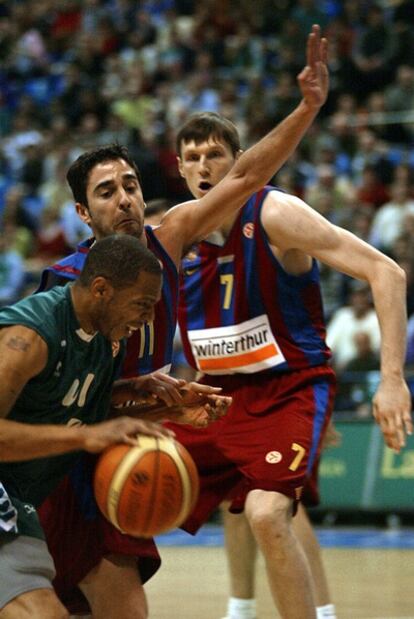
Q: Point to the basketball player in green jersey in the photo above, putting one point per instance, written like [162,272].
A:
[58,365]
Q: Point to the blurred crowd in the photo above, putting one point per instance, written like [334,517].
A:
[78,73]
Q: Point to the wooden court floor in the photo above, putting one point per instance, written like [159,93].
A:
[365,584]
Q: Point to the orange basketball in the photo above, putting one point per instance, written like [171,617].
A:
[148,489]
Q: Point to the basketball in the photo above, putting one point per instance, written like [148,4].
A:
[147,489]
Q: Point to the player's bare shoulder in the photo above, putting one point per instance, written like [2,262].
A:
[23,347]
[282,216]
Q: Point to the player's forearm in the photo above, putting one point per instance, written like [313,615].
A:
[260,162]
[389,291]
[21,441]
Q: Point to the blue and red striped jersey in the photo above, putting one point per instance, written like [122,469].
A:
[151,347]
[240,312]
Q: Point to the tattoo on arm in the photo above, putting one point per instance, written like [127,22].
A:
[18,343]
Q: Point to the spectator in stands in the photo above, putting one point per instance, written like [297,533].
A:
[11,272]
[373,51]
[358,316]
[358,379]
[371,190]
[14,222]
[388,222]
[370,151]
[328,182]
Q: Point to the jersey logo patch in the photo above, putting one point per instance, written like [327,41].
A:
[247,347]
[273,457]
[248,230]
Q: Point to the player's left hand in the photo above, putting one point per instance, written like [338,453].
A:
[149,389]
[314,78]
[392,411]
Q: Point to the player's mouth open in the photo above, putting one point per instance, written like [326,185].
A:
[205,186]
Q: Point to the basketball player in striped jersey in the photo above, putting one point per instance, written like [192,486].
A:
[251,320]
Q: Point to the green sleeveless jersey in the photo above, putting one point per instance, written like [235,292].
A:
[73,388]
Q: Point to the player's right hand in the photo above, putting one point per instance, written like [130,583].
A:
[98,436]
[314,78]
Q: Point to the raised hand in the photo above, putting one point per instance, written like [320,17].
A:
[314,78]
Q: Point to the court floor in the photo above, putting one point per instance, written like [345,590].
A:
[371,575]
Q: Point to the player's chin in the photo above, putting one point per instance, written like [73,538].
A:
[132,228]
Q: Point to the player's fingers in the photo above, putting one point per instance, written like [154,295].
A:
[408,423]
[311,48]
[323,50]
[168,393]
[167,378]
[305,75]
[205,389]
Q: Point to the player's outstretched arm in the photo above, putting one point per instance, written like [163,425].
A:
[254,168]
[291,225]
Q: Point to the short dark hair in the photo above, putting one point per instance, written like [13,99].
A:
[78,173]
[118,258]
[201,127]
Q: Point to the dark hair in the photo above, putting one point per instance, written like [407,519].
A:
[118,258]
[78,173]
[201,127]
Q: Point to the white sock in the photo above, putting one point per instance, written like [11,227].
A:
[238,608]
[326,612]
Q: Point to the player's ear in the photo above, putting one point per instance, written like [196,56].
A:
[239,152]
[101,288]
[180,167]
[83,213]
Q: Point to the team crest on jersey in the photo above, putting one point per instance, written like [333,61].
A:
[273,457]
[248,230]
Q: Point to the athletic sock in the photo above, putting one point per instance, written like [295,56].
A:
[238,608]
[326,612]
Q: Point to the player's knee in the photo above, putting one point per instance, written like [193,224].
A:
[37,604]
[268,511]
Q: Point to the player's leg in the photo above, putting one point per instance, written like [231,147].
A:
[241,550]
[26,590]
[241,553]
[306,535]
[38,604]
[80,540]
[276,443]
[114,589]
[290,581]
